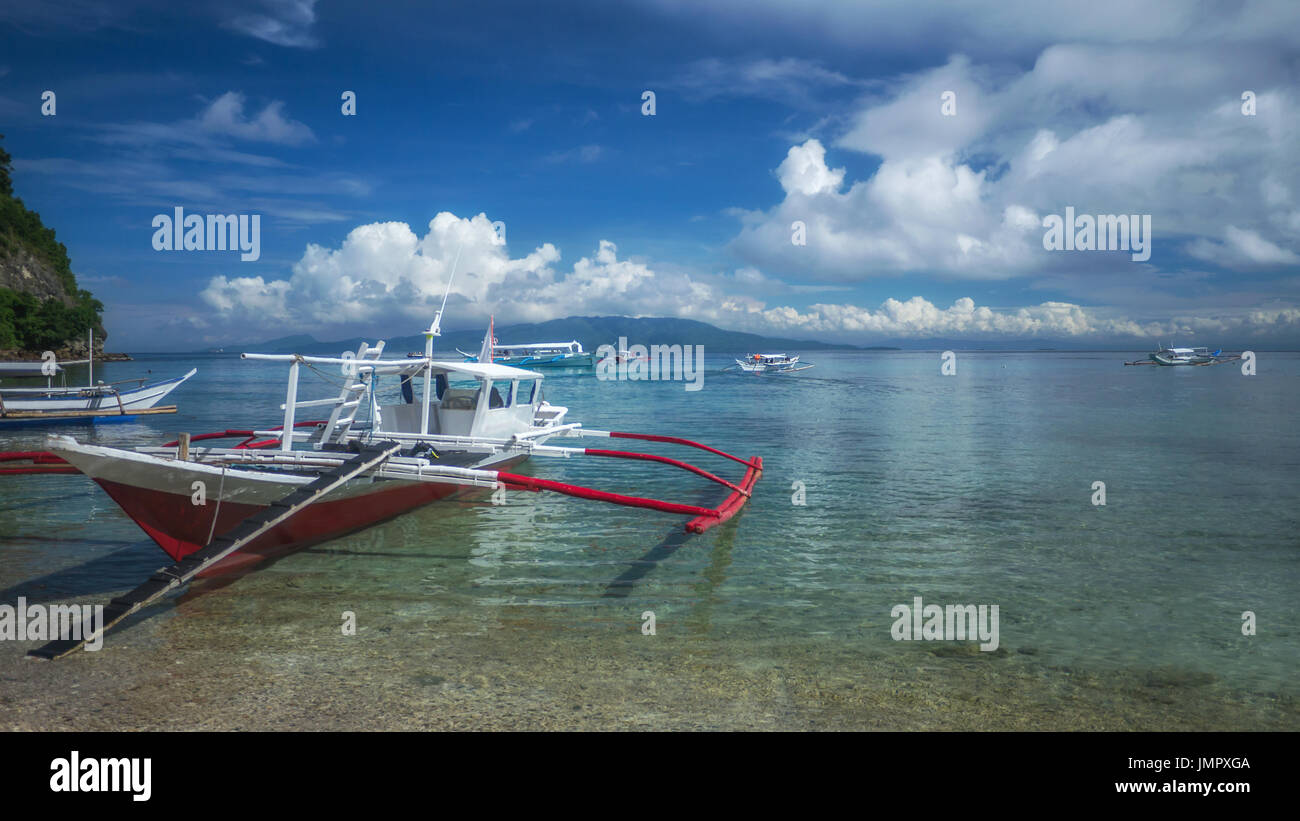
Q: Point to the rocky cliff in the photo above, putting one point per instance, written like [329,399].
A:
[41,307]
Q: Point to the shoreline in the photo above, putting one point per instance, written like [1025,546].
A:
[22,355]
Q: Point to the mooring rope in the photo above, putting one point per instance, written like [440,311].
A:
[217,512]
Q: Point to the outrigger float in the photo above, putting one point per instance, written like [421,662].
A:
[301,483]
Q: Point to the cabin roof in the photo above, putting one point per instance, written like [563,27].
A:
[532,345]
[484,370]
[411,365]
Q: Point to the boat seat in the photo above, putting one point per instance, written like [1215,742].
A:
[460,399]
[401,418]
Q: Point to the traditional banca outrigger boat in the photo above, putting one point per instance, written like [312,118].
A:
[1172,356]
[770,363]
[90,403]
[301,483]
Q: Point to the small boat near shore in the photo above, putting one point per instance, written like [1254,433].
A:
[89,403]
[461,434]
[537,355]
[770,363]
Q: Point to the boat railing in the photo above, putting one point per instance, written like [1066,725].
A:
[487,444]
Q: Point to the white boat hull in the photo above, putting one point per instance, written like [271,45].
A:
[1169,361]
[55,400]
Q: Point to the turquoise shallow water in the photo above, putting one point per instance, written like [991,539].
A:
[969,489]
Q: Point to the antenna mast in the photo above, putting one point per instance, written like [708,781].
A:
[435,329]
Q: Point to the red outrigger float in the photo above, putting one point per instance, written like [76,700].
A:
[214,509]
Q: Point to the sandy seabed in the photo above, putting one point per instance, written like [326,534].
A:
[185,667]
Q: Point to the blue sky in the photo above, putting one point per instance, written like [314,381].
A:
[919,224]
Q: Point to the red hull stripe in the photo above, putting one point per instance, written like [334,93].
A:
[181,527]
[40,457]
[38,469]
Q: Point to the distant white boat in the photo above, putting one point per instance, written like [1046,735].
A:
[63,403]
[108,398]
[1173,357]
[771,363]
[1184,356]
[537,355]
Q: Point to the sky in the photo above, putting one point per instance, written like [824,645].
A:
[866,173]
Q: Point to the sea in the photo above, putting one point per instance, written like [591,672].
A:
[1136,529]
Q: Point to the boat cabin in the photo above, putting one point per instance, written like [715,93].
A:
[433,398]
[468,399]
[538,349]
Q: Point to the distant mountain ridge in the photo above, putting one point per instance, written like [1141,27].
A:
[591,331]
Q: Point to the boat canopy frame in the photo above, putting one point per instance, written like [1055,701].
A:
[365,367]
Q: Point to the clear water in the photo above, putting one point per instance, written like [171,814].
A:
[968,489]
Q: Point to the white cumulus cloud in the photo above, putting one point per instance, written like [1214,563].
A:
[385,278]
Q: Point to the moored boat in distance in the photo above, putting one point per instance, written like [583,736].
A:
[537,355]
[770,363]
[92,402]
[1174,357]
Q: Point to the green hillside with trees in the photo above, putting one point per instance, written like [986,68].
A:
[37,321]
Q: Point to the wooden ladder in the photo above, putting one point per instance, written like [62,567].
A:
[350,398]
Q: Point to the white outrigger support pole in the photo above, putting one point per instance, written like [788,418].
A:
[290,407]
[428,373]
